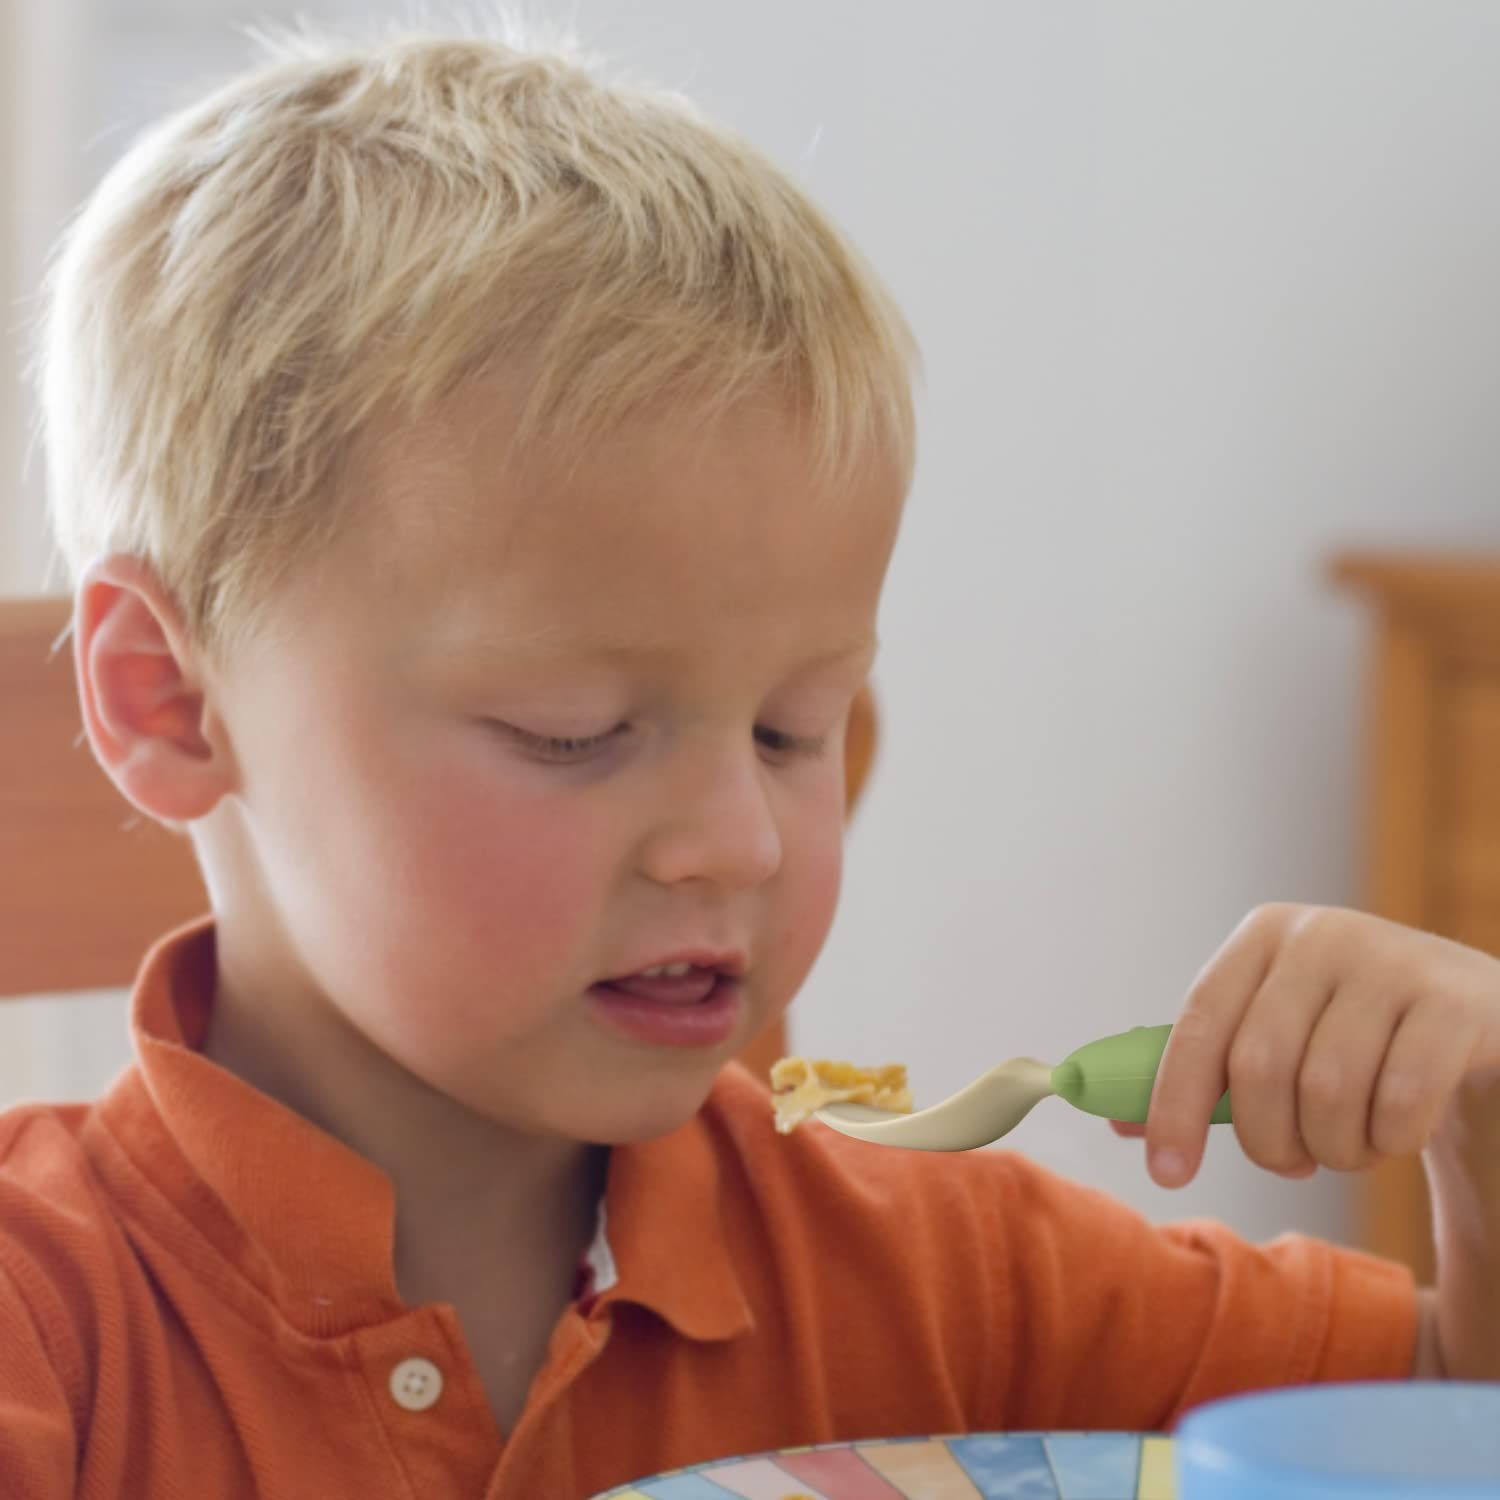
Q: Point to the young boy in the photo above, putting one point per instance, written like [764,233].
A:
[477,482]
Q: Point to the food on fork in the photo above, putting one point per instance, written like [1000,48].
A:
[800,1086]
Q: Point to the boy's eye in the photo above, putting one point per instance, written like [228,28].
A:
[564,749]
[779,743]
[561,749]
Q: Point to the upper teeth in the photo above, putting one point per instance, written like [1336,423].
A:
[668,971]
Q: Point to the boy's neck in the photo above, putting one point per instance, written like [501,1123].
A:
[522,1240]
[472,1197]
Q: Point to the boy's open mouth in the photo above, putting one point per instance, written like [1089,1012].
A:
[689,988]
[674,1004]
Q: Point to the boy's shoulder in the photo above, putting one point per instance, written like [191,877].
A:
[63,1250]
[47,1179]
[55,1209]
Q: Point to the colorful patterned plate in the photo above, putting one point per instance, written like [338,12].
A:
[981,1466]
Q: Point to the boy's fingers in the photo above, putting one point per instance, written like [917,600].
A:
[1336,1084]
[1423,1067]
[1266,1058]
[1192,1076]
[1132,1128]
[1194,1068]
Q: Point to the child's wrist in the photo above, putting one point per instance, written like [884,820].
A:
[1462,1164]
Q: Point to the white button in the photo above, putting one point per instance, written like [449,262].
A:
[416,1384]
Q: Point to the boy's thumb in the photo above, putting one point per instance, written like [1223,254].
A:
[1133,1128]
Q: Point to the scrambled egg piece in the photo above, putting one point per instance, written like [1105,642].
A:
[799,1086]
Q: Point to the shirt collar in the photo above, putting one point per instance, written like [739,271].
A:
[312,1223]
[666,1230]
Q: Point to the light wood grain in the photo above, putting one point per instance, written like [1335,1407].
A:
[1442,585]
[87,883]
[1431,852]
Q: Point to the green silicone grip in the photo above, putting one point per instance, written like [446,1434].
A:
[1113,1076]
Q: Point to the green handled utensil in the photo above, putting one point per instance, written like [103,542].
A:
[1112,1078]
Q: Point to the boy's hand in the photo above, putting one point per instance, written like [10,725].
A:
[1343,1039]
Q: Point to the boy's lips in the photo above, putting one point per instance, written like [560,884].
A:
[699,1008]
[668,989]
[730,961]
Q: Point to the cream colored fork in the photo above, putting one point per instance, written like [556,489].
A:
[1112,1077]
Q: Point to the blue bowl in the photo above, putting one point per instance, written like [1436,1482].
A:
[1421,1440]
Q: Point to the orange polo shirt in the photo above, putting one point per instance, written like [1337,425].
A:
[197,1299]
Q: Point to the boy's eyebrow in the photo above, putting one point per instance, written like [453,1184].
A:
[558,643]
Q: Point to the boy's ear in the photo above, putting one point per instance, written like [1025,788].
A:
[141,700]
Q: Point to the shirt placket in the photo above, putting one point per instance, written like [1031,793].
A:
[540,1458]
[430,1403]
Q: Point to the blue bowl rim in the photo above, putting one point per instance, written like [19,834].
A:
[1200,1435]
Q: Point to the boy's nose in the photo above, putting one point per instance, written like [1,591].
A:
[715,823]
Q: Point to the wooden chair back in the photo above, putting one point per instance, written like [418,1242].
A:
[87,883]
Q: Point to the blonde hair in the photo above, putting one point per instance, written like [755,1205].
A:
[351,230]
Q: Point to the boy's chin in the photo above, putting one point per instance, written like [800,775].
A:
[630,1118]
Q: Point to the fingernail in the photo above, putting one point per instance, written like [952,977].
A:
[1168,1167]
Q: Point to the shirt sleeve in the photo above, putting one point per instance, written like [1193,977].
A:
[1110,1321]
[38,1441]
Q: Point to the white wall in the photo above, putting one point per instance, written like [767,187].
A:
[1205,289]
[42,117]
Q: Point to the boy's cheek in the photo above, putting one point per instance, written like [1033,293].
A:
[806,911]
[491,883]
[520,883]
